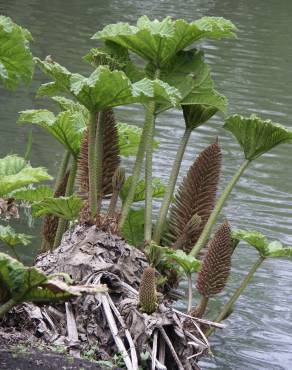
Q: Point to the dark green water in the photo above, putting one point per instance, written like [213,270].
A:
[255,73]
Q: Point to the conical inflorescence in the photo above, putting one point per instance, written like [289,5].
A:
[216,265]
[196,195]
[147,291]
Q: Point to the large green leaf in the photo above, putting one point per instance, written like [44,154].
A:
[256,136]
[17,277]
[11,238]
[16,173]
[260,242]
[133,229]
[33,194]
[188,263]
[188,72]
[16,63]
[64,207]
[81,114]
[254,238]
[67,127]
[129,139]
[31,284]
[158,189]
[158,41]
[105,88]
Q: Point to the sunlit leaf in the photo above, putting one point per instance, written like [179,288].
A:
[64,207]
[260,242]
[11,238]
[16,63]
[129,139]
[33,195]
[105,88]
[157,41]
[16,173]
[256,136]
[133,229]
[67,127]
[158,189]
[276,250]
[188,263]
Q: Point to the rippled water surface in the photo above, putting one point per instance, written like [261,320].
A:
[255,73]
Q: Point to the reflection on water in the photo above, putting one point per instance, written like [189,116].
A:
[254,72]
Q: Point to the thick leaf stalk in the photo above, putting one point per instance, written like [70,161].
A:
[147,291]
[111,159]
[69,191]
[171,185]
[4,308]
[99,156]
[216,211]
[92,165]
[50,223]
[136,173]
[150,117]
[196,195]
[230,303]
[216,266]
[117,184]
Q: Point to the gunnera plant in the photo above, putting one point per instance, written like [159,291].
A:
[99,225]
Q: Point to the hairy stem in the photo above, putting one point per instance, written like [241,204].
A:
[190,292]
[202,305]
[4,308]
[62,169]
[15,253]
[92,167]
[113,203]
[69,190]
[60,176]
[150,117]
[216,211]
[171,185]
[230,303]
[99,157]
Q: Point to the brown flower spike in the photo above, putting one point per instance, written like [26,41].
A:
[217,263]
[147,291]
[196,195]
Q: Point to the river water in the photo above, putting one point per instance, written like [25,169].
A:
[255,73]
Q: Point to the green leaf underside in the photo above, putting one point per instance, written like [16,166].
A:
[105,88]
[16,62]
[158,41]
[188,263]
[16,173]
[67,127]
[67,208]
[11,238]
[188,72]
[33,195]
[133,229]
[158,189]
[256,136]
[129,139]
[260,242]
